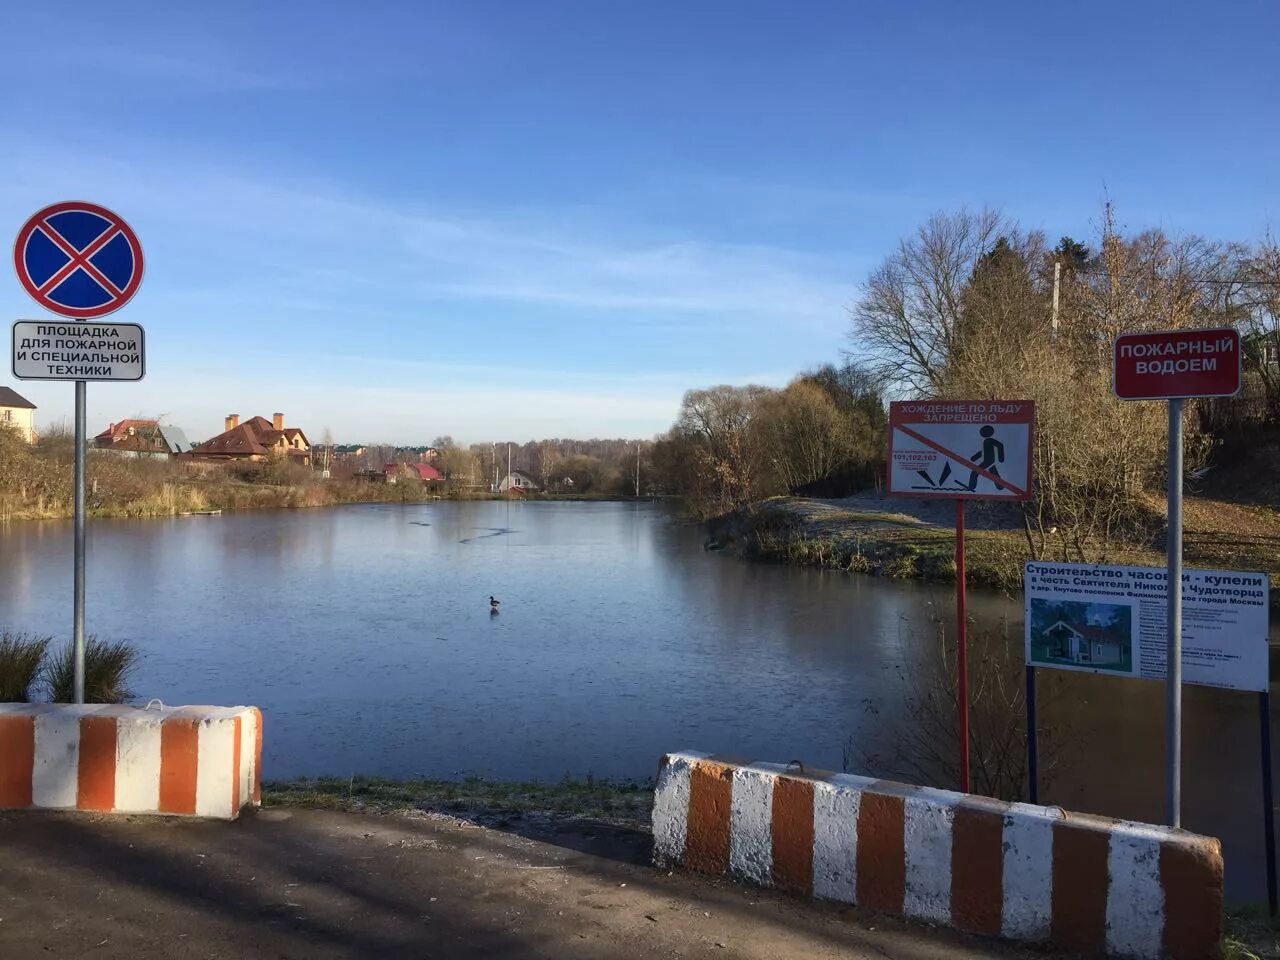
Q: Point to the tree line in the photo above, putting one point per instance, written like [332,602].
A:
[974,306]
[821,435]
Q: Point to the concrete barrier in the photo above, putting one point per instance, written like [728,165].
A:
[194,761]
[1087,884]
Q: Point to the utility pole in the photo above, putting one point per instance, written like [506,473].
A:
[1057,276]
[637,470]
[508,468]
[493,458]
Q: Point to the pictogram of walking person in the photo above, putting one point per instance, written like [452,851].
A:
[992,452]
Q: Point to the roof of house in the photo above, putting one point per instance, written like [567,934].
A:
[140,442]
[1088,631]
[176,439]
[424,470]
[10,398]
[254,437]
[117,430]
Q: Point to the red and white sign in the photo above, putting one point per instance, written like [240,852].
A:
[961,449]
[1170,364]
[78,259]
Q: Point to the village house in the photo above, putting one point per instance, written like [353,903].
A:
[132,438]
[256,439]
[141,438]
[1083,644]
[422,471]
[17,412]
[517,482]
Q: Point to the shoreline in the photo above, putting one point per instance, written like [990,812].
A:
[286,498]
[480,800]
[882,536]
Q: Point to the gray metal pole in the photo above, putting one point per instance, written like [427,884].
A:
[78,615]
[1173,689]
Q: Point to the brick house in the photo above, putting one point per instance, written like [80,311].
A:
[256,439]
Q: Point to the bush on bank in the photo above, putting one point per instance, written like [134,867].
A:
[27,666]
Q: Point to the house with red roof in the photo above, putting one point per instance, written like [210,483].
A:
[256,439]
[1085,643]
[132,437]
[422,471]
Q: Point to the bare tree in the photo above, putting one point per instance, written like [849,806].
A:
[927,748]
[961,310]
[806,437]
[725,444]
[909,311]
[548,457]
[1262,323]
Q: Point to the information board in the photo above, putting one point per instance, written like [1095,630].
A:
[1112,620]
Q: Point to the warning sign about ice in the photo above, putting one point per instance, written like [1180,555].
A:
[962,449]
[1111,620]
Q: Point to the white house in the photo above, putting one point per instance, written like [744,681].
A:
[18,412]
[520,482]
[1084,644]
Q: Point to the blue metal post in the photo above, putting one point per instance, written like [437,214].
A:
[1268,802]
[1033,751]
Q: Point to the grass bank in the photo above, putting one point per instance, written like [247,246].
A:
[885,539]
[1250,934]
[37,485]
[475,798]
[183,496]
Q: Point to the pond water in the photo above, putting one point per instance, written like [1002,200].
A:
[365,635]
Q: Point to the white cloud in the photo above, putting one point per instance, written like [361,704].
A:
[237,262]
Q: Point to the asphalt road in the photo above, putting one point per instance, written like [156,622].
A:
[284,883]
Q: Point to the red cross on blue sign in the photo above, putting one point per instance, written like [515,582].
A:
[78,260]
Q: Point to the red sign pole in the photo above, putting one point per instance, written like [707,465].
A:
[962,652]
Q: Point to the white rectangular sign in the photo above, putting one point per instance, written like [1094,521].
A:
[961,449]
[1112,620]
[69,350]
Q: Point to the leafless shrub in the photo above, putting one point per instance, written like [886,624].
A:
[926,749]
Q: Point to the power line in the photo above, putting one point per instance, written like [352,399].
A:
[1102,272]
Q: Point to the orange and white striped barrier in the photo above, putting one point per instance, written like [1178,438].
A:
[1083,883]
[194,761]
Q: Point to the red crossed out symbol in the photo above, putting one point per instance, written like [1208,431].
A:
[78,259]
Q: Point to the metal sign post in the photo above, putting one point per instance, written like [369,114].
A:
[962,651]
[80,261]
[1174,365]
[78,602]
[1268,801]
[1173,681]
[929,456]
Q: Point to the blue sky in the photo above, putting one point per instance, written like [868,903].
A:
[516,220]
